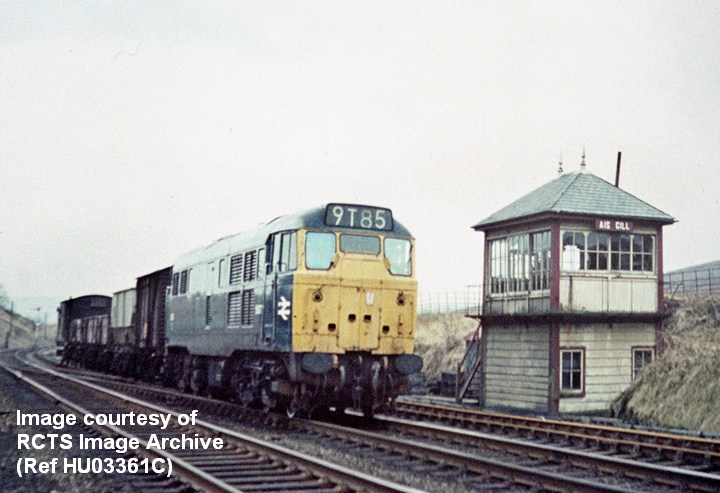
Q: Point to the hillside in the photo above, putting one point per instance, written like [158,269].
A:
[440,341]
[17,331]
[681,389]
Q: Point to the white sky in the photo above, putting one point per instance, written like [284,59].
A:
[131,132]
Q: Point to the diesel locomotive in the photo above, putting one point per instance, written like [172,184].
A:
[312,310]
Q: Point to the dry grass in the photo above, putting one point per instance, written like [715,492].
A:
[681,389]
[440,341]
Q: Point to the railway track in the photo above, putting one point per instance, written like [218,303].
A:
[243,463]
[691,452]
[458,459]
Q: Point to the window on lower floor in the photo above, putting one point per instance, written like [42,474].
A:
[641,358]
[572,371]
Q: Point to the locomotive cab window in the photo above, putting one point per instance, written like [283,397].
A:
[319,250]
[360,244]
[398,254]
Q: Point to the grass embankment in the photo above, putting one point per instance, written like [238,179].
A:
[681,389]
[440,341]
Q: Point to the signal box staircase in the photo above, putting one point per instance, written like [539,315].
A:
[467,386]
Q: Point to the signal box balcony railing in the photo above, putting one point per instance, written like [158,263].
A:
[579,294]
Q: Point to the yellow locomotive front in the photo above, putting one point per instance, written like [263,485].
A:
[354,294]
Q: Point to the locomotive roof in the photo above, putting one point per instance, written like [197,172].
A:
[313,218]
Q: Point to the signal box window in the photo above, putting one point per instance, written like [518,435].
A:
[642,357]
[607,252]
[519,263]
[572,371]
[397,252]
[319,250]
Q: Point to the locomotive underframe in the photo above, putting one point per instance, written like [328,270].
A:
[298,383]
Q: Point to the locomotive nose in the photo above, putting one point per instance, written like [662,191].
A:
[359,319]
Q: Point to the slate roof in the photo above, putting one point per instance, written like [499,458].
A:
[578,193]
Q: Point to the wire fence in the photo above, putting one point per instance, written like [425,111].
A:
[449,301]
[698,282]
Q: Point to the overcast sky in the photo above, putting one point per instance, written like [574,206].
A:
[131,132]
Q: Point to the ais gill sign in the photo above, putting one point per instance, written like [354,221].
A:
[613,225]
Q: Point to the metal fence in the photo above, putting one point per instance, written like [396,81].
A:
[699,282]
[449,301]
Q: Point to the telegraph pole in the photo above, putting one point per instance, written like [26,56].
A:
[9,332]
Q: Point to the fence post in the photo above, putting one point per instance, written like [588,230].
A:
[710,281]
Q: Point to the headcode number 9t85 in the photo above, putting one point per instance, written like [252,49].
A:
[359,217]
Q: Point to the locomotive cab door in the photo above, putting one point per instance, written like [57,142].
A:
[277,306]
[267,319]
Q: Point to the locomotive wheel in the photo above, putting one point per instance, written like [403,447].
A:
[370,394]
[294,404]
[168,371]
[182,372]
[198,378]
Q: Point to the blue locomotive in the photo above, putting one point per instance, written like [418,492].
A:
[312,310]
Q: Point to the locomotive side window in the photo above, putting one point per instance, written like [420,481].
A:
[359,244]
[175,283]
[285,251]
[319,250]
[221,270]
[398,253]
[290,250]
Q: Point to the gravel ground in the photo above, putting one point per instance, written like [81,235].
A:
[402,470]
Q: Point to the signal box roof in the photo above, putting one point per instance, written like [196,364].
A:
[579,193]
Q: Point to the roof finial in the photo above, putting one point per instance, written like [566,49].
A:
[560,169]
[582,163]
